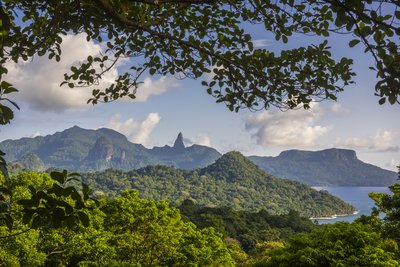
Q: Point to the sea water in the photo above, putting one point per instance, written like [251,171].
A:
[356,196]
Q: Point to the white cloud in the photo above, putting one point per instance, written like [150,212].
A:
[287,129]
[136,131]
[39,78]
[337,108]
[202,139]
[259,43]
[35,134]
[383,141]
[393,164]
[149,88]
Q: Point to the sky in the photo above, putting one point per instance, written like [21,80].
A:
[165,106]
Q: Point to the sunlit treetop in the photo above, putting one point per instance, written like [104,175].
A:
[191,38]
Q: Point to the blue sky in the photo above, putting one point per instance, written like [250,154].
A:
[166,106]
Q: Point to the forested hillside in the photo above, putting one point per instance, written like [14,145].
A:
[249,228]
[124,231]
[42,224]
[232,181]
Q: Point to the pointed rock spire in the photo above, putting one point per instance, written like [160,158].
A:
[179,142]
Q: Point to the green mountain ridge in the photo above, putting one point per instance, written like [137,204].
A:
[329,167]
[232,181]
[30,162]
[83,150]
[78,149]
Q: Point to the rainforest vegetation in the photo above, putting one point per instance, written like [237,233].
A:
[47,222]
[232,181]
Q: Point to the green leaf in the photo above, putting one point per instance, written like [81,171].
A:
[58,176]
[354,42]
[84,218]
[8,221]
[58,217]
[397,14]
[56,189]
[6,114]
[392,99]
[36,222]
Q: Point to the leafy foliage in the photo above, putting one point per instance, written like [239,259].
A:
[152,234]
[190,38]
[339,244]
[6,113]
[387,205]
[125,231]
[369,241]
[55,205]
[58,206]
[249,228]
[129,230]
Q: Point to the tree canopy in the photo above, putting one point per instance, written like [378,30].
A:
[188,38]
[339,244]
[192,38]
[125,231]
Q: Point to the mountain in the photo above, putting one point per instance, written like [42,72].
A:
[231,181]
[77,149]
[330,167]
[233,167]
[29,162]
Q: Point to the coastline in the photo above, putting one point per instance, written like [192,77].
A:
[334,216]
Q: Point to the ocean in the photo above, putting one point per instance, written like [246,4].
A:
[356,196]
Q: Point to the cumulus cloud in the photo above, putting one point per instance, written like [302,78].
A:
[35,134]
[152,88]
[39,78]
[337,108]
[136,131]
[202,139]
[287,129]
[383,141]
[393,164]
[260,43]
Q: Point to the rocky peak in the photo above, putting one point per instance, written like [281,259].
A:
[322,155]
[338,154]
[179,142]
[101,150]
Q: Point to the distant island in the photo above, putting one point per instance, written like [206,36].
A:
[329,167]
[84,150]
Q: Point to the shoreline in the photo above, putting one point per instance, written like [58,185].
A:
[334,216]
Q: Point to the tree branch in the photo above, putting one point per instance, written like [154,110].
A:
[159,2]
[361,14]
[109,9]
[15,234]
